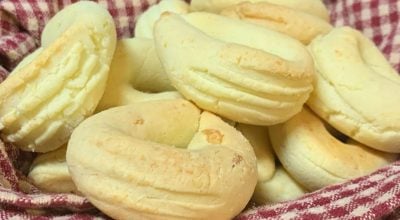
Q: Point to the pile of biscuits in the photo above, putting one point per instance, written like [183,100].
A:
[209,106]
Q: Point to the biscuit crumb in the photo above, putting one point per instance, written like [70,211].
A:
[139,121]
[237,159]
[213,136]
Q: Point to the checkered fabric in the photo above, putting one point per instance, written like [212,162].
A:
[371,197]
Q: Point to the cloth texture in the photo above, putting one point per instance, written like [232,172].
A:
[376,196]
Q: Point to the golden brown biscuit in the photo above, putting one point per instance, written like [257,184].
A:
[46,99]
[316,159]
[136,171]
[297,24]
[316,8]
[356,89]
[261,80]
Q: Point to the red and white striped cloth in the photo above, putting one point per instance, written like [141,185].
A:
[371,197]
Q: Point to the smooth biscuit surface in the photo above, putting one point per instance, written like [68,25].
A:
[259,139]
[138,169]
[145,23]
[317,159]
[49,172]
[355,89]
[280,188]
[136,74]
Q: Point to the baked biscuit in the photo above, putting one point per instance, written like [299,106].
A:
[27,59]
[317,159]
[356,89]
[261,80]
[259,140]
[49,172]
[43,101]
[313,7]
[137,168]
[145,22]
[274,183]
[280,188]
[297,24]
[136,74]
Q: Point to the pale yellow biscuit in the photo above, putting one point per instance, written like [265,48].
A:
[274,184]
[316,8]
[280,188]
[27,60]
[259,140]
[297,24]
[317,159]
[136,74]
[356,89]
[49,172]
[46,99]
[261,80]
[137,168]
[145,23]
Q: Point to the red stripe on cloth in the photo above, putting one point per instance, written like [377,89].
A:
[8,214]
[345,14]
[3,72]
[22,14]
[358,198]
[14,47]
[54,201]
[42,16]
[7,170]
[357,9]
[377,19]
[7,26]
